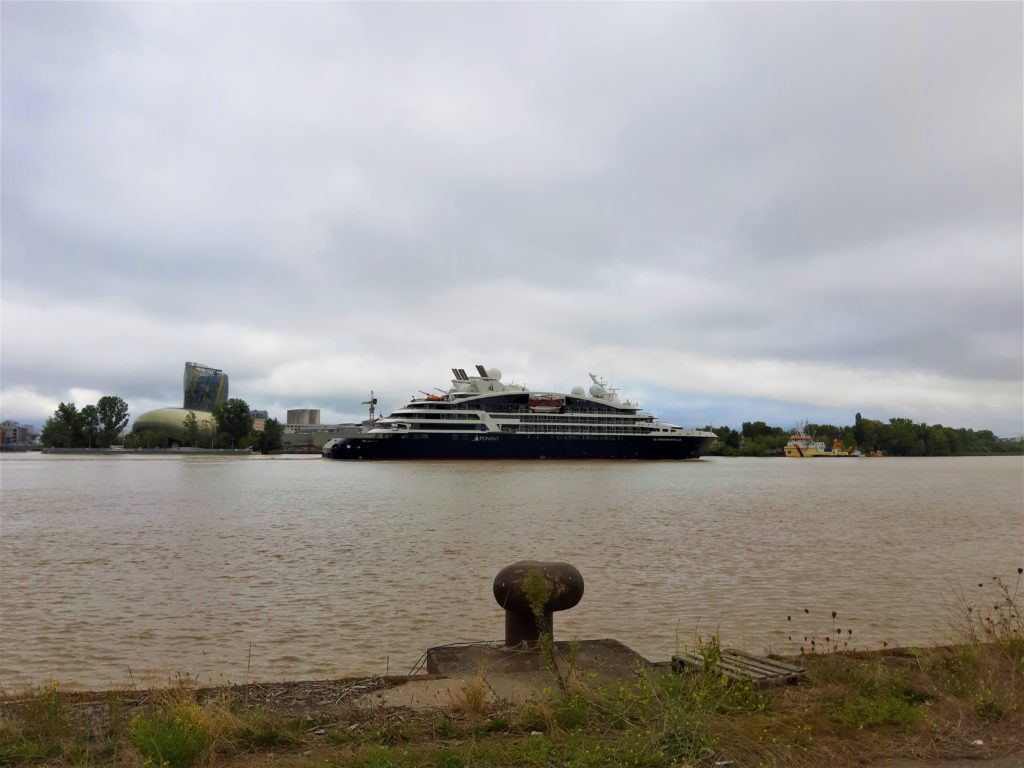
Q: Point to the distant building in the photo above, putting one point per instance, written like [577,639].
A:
[204,387]
[259,419]
[304,416]
[310,437]
[170,422]
[12,433]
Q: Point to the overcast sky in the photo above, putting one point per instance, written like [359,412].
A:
[734,211]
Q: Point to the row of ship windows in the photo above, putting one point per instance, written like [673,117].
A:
[461,427]
[526,419]
[535,428]
[506,408]
[523,437]
[561,419]
[587,430]
[450,416]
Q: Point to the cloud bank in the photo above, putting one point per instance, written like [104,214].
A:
[734,210]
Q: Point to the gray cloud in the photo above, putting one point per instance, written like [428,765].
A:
[267,187]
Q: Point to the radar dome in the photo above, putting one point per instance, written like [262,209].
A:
[596,390]
[578,391]
[494,373]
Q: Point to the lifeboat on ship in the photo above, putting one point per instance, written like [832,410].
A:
[544,403]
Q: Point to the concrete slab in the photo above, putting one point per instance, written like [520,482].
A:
[506,674]
[520,686]
[605,658]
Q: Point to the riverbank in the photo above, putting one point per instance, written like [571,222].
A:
[917,704]
[151,451]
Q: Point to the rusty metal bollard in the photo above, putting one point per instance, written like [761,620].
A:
[530,591]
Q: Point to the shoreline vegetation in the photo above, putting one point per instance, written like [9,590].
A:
[853,707]
[102,426]
[897,437]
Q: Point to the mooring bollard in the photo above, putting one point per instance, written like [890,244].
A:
[530,591]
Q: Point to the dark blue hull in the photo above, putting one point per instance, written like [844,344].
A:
[504,446]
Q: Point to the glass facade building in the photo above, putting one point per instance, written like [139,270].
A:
[204,387]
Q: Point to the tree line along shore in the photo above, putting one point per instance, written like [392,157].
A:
[896,437]
[102,425]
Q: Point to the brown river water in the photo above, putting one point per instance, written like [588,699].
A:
[121,568]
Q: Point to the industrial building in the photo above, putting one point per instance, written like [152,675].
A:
[303,417]
[311,437]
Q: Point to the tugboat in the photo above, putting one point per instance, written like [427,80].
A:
[482,417]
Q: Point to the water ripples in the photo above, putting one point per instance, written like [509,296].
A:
[289,568]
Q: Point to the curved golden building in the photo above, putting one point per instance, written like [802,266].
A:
[203,388]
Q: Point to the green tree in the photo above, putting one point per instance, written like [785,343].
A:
[113,415]
[867,434]
[90,420]
[68,414]
[233,419]
[191,430]
[205,437]
[728,442]
[272,436]
[904,438]
[152,438]
[986,440]
[935,441]
[54,435]
[754,429]
[760,439]
[1008,446]
[63,429]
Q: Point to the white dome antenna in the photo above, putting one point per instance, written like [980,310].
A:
[598,388]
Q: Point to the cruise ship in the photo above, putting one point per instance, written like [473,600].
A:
[481,417]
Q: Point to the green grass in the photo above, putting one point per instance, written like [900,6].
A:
[175,736]
[260,730]
[16,748]
[866,710]
[687,739]
[43,731]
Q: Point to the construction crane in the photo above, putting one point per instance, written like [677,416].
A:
[372,402]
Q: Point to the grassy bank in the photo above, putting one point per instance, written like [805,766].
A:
[965,699]
[853,707]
